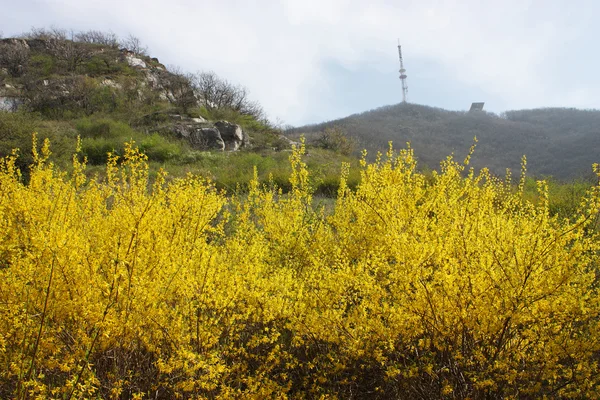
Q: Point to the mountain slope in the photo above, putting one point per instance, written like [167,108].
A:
[557,142]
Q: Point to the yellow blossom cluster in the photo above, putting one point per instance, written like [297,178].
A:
[416,287]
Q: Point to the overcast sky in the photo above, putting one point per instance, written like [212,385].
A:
[307,61]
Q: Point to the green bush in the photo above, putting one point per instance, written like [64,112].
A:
[158,148]
[336,139]
[103,135]
[42,65]
[104,99]
[96,66]
[105,128]
[96,149]
[16,131]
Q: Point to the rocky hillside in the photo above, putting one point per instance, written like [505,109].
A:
[109,91]
[61,79]
[558,142]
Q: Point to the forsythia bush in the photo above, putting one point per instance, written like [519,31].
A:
[450,286]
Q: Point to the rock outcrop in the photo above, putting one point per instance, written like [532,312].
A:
[9,98]
[10,104]
[207,139]
[233,135]
[199,133]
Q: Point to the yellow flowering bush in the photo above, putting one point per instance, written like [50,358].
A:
[450,286]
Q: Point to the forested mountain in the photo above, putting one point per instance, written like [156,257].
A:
[558,142]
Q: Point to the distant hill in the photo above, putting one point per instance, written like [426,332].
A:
[558,142]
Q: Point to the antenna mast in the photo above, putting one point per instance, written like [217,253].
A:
[402,74]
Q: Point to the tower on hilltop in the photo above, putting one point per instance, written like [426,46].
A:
[402,74]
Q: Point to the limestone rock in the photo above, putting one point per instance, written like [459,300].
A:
[200,138]
[200,134]
[10,104]
[208,138]
[108,83]
[134,61]
[232,135]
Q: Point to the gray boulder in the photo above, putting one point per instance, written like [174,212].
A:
[10,98]
[207,138]
[232,135]
[201,138]
[10,104]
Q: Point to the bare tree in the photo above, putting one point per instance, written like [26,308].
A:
[217,93]
[97,37]
[71,53]
[335,138]
[134,44]
[14,56]
[180,86]
[60,43]
[45,34]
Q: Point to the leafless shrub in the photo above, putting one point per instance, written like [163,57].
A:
[72,54]
[336,139]
[46,34]
[97,37]
[134,44]
[181,86]
[14,57]
[218,93]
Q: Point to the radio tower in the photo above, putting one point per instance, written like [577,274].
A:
[402,74]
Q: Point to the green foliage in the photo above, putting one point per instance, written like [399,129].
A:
[103,135]
[335,139]
[564,196]
[202,112]
[97,66]
[104,99]
[16,130]
[42,65]
[158,148]
[103,127]
[96,149]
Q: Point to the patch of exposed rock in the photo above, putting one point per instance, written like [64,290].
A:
[233,135]
[10,104]
[9,98]
[199,133]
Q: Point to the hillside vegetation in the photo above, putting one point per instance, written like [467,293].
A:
[560,143]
